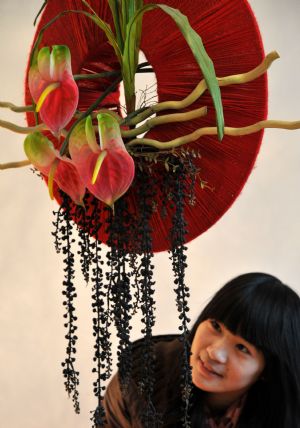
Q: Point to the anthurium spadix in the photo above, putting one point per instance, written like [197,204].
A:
[59,169]
[53,87]
[106,167]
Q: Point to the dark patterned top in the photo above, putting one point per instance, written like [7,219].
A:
[227,420]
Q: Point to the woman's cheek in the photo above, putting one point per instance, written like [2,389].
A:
[236,371]
[242,373]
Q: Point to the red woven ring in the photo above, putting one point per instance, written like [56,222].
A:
[231,37]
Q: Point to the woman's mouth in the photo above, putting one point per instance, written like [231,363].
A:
[207,370]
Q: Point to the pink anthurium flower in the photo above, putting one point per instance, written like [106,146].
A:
[60,169]
[106,169]
[53,87]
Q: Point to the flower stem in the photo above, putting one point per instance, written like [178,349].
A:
[16,109]
[22,129]
[194,136]
[108,74]
[161,120]
[96,75]
[11,165]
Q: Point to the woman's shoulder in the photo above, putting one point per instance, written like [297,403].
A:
[163,344]
[167,368]
[165,350]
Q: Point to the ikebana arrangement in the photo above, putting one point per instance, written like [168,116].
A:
[138,193]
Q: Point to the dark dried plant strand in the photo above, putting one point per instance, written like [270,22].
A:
[134,267]
[82,219]
[179,265]
[59,228]
[119,285]
[101,320]
[69,292]
[145,195]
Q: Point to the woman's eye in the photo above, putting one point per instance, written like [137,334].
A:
[242,348]
[215,325]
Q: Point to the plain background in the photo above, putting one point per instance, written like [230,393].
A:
[261,232]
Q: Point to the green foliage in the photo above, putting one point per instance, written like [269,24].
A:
[128,16]
[196,45]
[115,8]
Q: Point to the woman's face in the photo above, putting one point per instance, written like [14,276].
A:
[223,364]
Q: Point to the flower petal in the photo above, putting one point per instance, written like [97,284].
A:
[43,63]
[69,181]
[78,140]
[40,151]
[115,178]
[36,83]
[51,177]
[60,105]
[91,135]
[53,87]
[109,132]
[117,166]
[60,62]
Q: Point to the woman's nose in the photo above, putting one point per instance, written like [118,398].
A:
[218,352]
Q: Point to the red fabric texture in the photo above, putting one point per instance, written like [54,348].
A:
[231,37]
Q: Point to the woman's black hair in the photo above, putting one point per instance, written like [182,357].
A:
[265,312]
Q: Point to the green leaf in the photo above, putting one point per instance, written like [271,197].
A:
[105,27]
[125,15]
[39,12]
[116,11]
[130,53]
[196,45]
[131,9]
[138,5]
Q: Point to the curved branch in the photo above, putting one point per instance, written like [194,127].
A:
[194,136]
[201,88]
[16,109]
[22,129]
[10,165]
[168,118]
[253,74]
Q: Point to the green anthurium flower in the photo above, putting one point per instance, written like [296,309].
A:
[40,151]
[59,169]
[106,167]
[53,87]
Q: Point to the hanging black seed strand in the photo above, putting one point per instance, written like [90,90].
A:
[122,314]
[119,286]
[58,225]
[101,321]
[179,265]
[166,194]
[145,195]
[70,374]
[83,222]
[135,266]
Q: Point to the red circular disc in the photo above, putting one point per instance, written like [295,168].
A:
[231,38]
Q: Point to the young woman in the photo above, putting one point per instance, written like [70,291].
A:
[245,350]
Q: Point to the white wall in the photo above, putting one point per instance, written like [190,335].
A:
[260,232]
